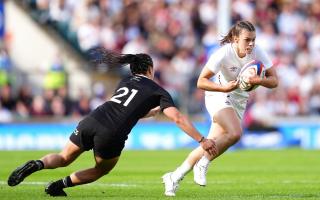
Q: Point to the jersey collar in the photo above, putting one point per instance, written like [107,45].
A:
[141,75]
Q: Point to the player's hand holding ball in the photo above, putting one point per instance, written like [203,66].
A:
[231,85]
[250,75]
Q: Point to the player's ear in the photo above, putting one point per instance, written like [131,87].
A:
[235,39]
[150,70]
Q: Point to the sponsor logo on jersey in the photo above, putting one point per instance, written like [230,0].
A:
[233,69]
[227,102]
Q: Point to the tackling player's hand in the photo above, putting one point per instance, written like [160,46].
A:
[209,146]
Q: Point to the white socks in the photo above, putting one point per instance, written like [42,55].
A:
[181,171]
[204,161]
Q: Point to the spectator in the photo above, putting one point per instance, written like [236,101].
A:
[38,107]
[5,115]
[57,107]
[5,67]
[56,77]
[6,98]
[82,106]
[67,102]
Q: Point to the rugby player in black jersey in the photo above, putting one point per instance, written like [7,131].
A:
[106,128]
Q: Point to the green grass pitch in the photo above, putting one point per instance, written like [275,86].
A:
[246,174]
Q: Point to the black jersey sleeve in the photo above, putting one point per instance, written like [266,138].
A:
[165,99]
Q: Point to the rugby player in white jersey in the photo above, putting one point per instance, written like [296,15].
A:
[224,101]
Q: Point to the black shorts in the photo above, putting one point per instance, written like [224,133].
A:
[91,134]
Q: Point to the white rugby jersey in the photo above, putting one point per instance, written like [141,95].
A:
[226,64]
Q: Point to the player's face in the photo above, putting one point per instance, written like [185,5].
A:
[245,42]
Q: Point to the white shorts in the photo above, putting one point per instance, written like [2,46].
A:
[216,101]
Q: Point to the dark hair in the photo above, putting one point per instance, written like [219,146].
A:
[139,63]
[235,31]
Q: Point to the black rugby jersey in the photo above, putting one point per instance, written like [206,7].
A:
[134,97]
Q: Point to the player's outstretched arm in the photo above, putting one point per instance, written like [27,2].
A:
[185,124]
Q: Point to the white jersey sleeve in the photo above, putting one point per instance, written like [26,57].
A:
[215,60]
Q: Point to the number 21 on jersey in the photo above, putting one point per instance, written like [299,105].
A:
[121,95]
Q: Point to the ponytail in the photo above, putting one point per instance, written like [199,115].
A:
[236,30]
[139,63]
[229,37]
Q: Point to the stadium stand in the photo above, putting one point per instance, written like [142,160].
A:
[180,35]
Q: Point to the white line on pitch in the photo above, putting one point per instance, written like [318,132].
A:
[141,183]
[99,184]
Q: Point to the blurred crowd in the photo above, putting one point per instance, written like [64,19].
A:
[21,102]
[180,35]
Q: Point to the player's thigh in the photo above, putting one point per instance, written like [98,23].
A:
[228,120]
[71,151]
[215,130]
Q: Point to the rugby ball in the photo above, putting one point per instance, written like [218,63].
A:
[250,69]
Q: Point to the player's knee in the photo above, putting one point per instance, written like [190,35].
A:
[235,136]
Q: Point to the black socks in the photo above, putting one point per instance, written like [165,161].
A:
[39,164]
[62,183]
[67,182]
